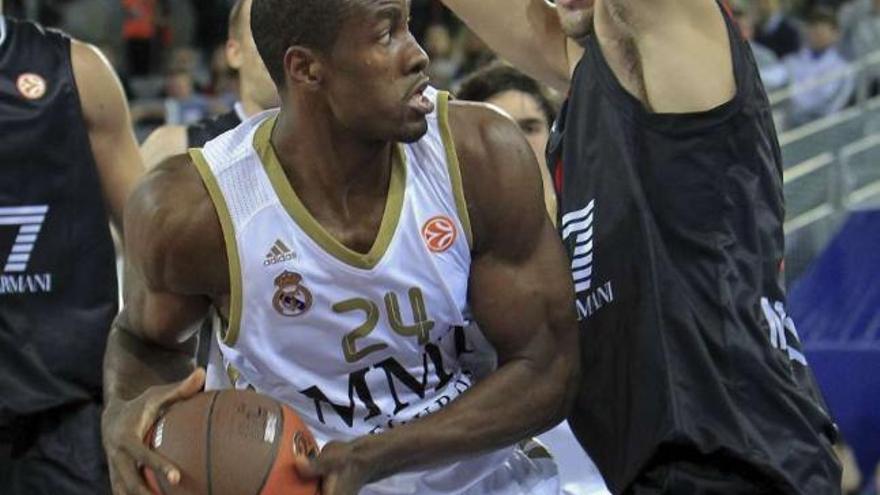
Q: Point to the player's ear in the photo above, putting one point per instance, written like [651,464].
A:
[303,67]
[234,56]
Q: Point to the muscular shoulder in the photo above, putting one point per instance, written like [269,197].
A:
[501,178]
[173,234]
[93,72]
[101,95]
[163,143]
[87,55]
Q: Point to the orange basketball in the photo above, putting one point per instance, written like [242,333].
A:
[231,443]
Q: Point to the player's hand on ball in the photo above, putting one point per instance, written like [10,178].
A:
[124,426]
[341,469]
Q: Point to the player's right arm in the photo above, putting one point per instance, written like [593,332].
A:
[163,143]
[527,33]
[172,237]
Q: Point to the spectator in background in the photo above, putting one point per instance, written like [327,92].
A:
[255,88]
[183,104]
[186,58]
[527,101]
[223,85]
[773,72]
[821,59]
[139,29]
[438,45]
[861,38]
[474,53]
[852,14]
[776,30]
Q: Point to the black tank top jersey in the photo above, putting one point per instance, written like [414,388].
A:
[674,227]
[58,292]
[207,129]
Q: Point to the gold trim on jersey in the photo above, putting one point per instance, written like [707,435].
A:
[235,281]
[304,219]
[453,164]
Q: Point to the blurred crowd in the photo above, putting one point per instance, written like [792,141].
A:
[171,54]
[823,53]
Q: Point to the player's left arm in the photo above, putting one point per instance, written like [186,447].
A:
[108,122]
[522,298]
[644,16]
[679,50]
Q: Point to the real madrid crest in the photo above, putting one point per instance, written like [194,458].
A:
[291,298]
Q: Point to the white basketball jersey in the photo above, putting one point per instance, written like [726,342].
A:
[356,343]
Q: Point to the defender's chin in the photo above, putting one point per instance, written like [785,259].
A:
[413,131]
[576,20]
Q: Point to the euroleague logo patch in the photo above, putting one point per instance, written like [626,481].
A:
[439,233]
[31,86]
[291,298]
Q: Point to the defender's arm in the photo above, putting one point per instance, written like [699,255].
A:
[107,118]
[525,32]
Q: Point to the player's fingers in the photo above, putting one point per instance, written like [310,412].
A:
[190,386]
[308,468]
[143,456]
[127,472]
[116,487]
[329,486]
[155,399]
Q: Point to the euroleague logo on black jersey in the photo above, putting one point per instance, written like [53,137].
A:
[31,86]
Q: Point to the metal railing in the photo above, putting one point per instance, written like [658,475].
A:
[832,165]
[857,69]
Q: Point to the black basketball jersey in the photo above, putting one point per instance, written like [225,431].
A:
[58,293]
[674,227]
[207,129]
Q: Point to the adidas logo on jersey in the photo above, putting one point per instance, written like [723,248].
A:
[278,254]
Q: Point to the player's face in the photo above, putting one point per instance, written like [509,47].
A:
[576,17]
[375,74]
[527,113]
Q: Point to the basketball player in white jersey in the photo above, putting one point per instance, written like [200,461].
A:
[256,93]
[363,225]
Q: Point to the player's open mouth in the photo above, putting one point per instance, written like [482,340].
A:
[575,4]
[418,101]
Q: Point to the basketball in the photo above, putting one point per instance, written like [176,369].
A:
[231,443]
